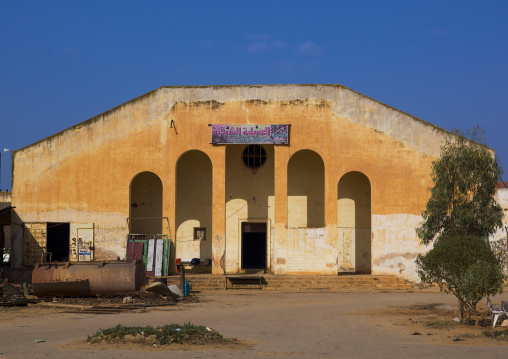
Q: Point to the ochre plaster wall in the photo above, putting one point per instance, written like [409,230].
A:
[83,173]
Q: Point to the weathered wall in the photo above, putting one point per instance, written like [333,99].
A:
[34,243]
[501,197]
[395,245]
[5,196]
[83,174]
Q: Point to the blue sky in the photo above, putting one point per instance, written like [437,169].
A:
[63,62]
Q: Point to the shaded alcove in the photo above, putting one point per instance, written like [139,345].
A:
[194,206]
[250,187]
[306,190]
[249,198]
[354,220]
[145,204]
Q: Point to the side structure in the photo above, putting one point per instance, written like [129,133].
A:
[344,195]
[501,197]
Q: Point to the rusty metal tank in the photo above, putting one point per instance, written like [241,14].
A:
[84,279]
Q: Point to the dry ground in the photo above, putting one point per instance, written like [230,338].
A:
[310,325]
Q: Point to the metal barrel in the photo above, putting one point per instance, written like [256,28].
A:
[83,279]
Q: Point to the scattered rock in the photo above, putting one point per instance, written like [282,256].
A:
[162,289]
[127,300]
[416,333]
[457,340]
[159,288]
[175,291]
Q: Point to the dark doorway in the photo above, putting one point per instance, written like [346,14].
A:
[253,245]
[58,241]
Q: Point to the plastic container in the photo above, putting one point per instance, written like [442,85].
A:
[187,288]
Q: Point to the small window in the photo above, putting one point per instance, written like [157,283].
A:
[200,233]
[254,156]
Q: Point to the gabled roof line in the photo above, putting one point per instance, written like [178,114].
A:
[213,87]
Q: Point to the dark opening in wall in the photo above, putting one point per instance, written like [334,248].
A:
[58,241]
[253,245]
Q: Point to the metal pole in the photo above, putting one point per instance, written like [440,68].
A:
[182,277]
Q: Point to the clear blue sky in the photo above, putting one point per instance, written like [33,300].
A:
[63,62]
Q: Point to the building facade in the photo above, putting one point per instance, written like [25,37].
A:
[340,188]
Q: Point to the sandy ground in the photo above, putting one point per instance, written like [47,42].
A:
[307,325]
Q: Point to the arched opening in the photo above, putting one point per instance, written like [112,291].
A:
[354,222]
[249,206]
[194,206]
[306,190]
[145,204]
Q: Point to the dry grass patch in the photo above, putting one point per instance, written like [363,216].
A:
[160,336]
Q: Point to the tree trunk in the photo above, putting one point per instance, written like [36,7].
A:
[460,310]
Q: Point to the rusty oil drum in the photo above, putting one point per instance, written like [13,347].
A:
[84,279]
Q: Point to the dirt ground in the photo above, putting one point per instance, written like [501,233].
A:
[310,325]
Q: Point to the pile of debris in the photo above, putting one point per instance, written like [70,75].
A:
[153,295]
[156,294]
[119,298]
[12,296]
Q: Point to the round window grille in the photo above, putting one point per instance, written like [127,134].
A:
[254,156]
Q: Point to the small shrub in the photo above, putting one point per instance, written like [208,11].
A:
[499,334]
[163,335]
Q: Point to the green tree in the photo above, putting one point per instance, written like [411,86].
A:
[464,266]
[462,212]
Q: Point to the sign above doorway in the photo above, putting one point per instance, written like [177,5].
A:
[250,134]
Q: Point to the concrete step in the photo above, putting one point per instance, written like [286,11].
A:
[298,283]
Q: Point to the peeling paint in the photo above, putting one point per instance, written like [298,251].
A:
[396,245]
[501,197]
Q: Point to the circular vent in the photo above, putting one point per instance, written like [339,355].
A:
[254,156]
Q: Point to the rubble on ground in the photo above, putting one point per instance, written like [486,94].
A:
[12,296]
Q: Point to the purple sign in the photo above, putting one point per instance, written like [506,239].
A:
[250,134]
